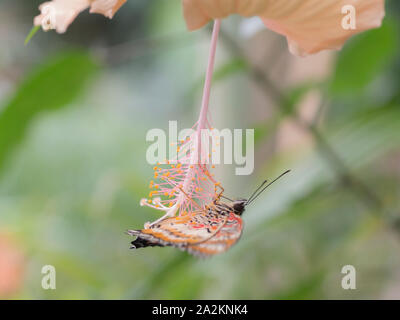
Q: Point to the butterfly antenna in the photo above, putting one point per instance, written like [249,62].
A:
[226,198]
[252,195]
[263,189]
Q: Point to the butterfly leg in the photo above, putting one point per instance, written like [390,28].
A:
[148,225]
[219,194]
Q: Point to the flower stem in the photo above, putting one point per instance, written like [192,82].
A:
[202,122]
[209,74]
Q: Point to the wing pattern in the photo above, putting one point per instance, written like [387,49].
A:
[225,238]
[201,234]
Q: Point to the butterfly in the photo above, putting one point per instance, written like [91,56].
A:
[204,232]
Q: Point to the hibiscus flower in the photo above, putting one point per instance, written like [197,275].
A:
[309,25]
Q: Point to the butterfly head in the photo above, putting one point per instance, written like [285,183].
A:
[239,206]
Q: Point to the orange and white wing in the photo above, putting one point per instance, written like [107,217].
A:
[180,231]
[226,237]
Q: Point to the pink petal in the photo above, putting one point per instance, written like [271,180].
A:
[198,12]
[59,14]
[106,7]
[309,25]
[314,25]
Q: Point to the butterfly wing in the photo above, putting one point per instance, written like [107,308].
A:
[180,231]
[226,237]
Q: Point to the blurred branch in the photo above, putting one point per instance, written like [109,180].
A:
[361,190]
[130,50]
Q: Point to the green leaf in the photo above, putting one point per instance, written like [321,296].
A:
[52,86]
[363,58]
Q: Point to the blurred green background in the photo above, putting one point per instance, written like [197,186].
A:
[74,112]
